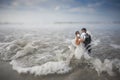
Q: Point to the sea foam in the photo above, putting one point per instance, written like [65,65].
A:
[38,58]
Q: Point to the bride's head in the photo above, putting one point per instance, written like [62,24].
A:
[77,33]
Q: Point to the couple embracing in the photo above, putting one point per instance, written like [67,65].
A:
[83,39]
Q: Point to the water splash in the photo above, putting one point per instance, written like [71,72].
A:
[115,46]
[105,66]
[42,58]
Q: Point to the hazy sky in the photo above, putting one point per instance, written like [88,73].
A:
[59,10]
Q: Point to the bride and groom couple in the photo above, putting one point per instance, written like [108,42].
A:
[83,39]
[82,43]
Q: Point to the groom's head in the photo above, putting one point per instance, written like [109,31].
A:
[84,30]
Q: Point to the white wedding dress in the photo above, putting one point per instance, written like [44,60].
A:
[79,50]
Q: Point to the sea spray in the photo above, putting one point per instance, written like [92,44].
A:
[106,66]
[115,46]
[36,57]
[47,68]
[98,65]
[26,57]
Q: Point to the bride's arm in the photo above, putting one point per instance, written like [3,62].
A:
[77,41]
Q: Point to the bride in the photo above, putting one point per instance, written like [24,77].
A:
[78,43]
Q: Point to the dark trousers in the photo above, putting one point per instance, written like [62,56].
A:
[88,48]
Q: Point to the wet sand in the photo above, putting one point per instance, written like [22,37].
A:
[7,73]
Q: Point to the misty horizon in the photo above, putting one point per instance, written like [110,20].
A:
[67,22]
[36,11]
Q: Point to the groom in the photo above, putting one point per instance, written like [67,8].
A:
[86,39]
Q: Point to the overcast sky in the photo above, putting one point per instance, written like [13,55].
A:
[59,10]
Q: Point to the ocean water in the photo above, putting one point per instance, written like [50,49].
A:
[43,49]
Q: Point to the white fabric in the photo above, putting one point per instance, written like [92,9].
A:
[79,50]
[83,36]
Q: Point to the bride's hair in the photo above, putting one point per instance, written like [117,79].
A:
[77,32]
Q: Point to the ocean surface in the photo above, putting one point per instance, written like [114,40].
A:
[48,49]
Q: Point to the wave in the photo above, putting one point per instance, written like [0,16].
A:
[42,58]
[115,46]
[47,68]
[34,57]
[96,63]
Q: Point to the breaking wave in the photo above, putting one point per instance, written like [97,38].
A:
[115,46]
[41,57]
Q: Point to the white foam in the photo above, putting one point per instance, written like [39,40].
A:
[26,58]
[100,67]
[39,58]
[116,63]
[94,43]
[47,68]
[97,64]
[115,46]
